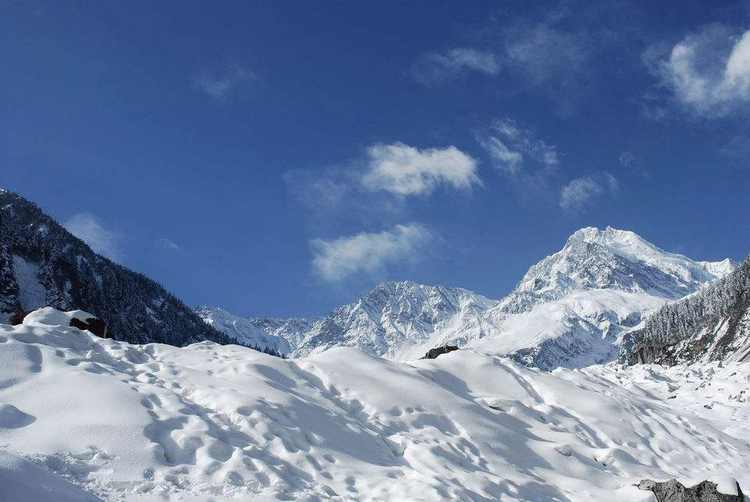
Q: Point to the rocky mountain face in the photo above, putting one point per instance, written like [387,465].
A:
[611,259]
[711,325]
[394,320]
[573,307]
[42,264]
[398,320]
[570,309]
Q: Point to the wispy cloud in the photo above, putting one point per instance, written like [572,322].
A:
[581,192]
[546,53]
[168,244]
[90,230]
[627,160]
[708,72]
[368,253]
[220,84]
[405,170]
[437,68]
[512,148]
[549,57]
[633,164]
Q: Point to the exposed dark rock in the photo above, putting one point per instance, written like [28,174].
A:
[439,351]
[674,491]
[93,325]
[16,318]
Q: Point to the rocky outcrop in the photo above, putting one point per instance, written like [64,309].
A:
[92,325]
[706,491]
[439,351]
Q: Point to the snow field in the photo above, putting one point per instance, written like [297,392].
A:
[208,422]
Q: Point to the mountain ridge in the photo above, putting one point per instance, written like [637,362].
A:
[710,325]
[571,307]
[43,264]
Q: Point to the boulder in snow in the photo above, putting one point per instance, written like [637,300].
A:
[92,324]
[705,491]
[439,351]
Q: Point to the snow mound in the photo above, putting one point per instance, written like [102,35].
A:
[23,480]
[209,422]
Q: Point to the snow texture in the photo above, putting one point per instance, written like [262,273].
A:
[223,422]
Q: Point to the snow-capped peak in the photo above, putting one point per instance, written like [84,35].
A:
[612,259]
[569,309]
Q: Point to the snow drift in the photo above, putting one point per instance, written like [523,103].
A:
[210,422]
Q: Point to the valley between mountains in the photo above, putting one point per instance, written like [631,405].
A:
[611,362]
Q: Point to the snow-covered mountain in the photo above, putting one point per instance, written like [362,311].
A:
[398,319]
[394,319]
[573,307]
[86,419]
[42,264]
[277,335]
[712,325]
[570,309]
[594,259]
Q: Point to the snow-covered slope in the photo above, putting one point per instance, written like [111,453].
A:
[573,307]
[253,332]
[395,318]
[42,264]
[570,309]
[612,259]
[210,422]
[712,325]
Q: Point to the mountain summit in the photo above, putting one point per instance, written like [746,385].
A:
[612,259]
[570,309]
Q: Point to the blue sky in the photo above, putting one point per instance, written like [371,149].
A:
[278,158]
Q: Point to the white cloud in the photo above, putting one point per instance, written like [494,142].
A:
[404,170]
[511,147]
[220,84]
[89,229]
[370,253]
[436,68]
[708,71]
[582,192]
[506,159]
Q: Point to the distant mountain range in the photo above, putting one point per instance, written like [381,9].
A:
[570,309]
[576,307]
[42,264]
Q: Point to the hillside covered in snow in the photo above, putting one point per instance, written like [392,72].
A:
[42,264]
[712,325]
[112,421]
[570,309]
